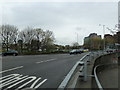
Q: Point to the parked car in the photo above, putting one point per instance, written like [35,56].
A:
[10,52]
[76,51]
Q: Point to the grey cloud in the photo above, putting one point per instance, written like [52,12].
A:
[64,17]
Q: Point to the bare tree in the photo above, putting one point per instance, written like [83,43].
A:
[9,35]
[27,35]
[39,36]
[47,40]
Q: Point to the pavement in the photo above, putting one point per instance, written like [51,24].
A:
[109,77]
[36,71]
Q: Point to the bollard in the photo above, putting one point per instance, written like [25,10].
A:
[93,56]
[81,70]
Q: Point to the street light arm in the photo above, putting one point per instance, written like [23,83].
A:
[113,32]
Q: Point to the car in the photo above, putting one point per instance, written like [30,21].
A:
[80,51]
[10,52]
[73,52]
[110,50]
[85,50]
[76,51]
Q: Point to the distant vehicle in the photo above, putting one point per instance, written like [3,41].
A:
[85,50]
[76,51]
[110,50]
[10,52]
[80,51]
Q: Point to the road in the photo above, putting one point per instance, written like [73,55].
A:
[36,71]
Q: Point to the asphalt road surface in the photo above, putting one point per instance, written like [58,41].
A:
[36,71]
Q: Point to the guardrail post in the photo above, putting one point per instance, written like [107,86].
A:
[85,71]
[92,56]
[89,59]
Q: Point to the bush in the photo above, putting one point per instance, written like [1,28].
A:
[45,52]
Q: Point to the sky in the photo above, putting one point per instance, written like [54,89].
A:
[70,21]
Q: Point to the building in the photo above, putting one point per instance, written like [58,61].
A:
[109,41]
[94,35]
[93,41]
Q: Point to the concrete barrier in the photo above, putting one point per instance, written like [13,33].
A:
[103,62]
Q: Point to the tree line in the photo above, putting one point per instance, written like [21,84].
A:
[26,40]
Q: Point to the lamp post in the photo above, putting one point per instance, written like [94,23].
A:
[76,37]
[77,40]
[103,36]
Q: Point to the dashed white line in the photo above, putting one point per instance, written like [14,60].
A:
[46,61]
[11,69]
[39,62]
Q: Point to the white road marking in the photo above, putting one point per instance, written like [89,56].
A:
[14,80]
[32,79]
[11,69]
[8,77]
[50,60]
[46,61]
[40,83]
[21,81]
[35,83]
[39,62]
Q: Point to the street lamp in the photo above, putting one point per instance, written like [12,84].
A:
[117,27]
[77,36]
[103,36]
[77,44]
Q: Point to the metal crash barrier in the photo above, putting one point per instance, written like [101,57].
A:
[83,75]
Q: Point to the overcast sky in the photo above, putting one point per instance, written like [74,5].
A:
[65,19]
